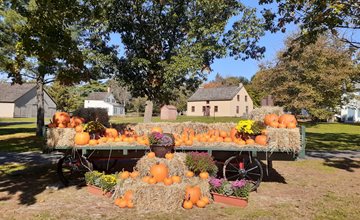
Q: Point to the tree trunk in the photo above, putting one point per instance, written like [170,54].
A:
[148,111]
[40,106]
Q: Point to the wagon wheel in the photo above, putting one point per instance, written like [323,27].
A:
[252,170]
[71,169]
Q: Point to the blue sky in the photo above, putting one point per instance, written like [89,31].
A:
[231,67]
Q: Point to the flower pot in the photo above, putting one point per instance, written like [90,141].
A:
[161,150]
[230,200]
[98,191]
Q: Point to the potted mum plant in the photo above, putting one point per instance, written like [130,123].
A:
[99,183]
[161,143]
[248,129]
[235,193]
[201,162]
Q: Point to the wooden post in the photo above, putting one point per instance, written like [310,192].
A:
[303,143]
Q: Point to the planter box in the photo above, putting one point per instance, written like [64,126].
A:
[97,191]
[230,200]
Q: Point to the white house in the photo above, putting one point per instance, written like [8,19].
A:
[351,111]
[104,100]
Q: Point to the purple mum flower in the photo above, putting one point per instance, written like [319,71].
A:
[238,183]
[214,182]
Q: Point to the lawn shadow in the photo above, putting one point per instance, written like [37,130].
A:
[332,141]
[28,183]
[30,143]
[272,175]
[6,131]
[4,124]
[342,163]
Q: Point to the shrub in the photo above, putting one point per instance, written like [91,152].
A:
[201,162]
[93,114]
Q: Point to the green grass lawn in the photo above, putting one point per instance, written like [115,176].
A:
[19,134]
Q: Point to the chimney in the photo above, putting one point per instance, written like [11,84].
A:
[240,85]
[108,89]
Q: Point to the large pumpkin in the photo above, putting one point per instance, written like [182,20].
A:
[159,171]
[111,132]
[287,118]
[193,193]
[82,138]
[261,139]
[270,118]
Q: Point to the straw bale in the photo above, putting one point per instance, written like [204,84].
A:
[284,139]
[258,114]
[176,165]
[158,197]
[60,137]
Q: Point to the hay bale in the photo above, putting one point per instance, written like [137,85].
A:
[57,137]
[258,114]
[284,139]
[158,197]
[176,165]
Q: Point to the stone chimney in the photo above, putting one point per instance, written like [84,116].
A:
[240,85]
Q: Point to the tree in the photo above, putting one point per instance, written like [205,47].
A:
[313,82]
[226,81]
[52,41]
[121,93]
[171,44]
[315,18]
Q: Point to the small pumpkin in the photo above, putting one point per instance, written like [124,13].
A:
[250,141]
[204,175]
[219,139]
[151,155]
[146,179]
[111,132]
[82,138]
[124,175]
[110,139]
[223,134]
[281,125]
[228,139]
[205,199]
[269,118]
[291,125]
[274,124]
[152,180]
[189,174]
[129,204]
[79,128]
[200,204]
[189,142]
[169,156]
[117,201]
[286,118]
[176,179]
[93,142]
[242,142]
[187,204]
[128,195]
[261,139]
[159,171]
[62,126]
[168,181]
[233,133]
[134,174]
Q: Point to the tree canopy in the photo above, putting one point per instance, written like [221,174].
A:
[315,81]
[315,18]
[172,44]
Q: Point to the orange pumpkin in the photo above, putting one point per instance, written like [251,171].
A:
[193,193]
[76,121]
[187,204]
[169,156]
[151,155]
[178,143]
[205,199]
[219,139]
[200,204]
[269,118]
[223,134]
[286,118]
[93,142]
[188,142]
[159,171]
[129,204]
[228,139]
[111,132]
[157,129]
[250,141]
[146,179]
[233,133]
[82,138]
[134,174]
[168,181]
[176,179]
[124,175]
[117,201]
[61,118]
[242,142]
[122,203]
[204,175]
[62,126]
[128,195]
[261,139]
[52,125]
[274,124]
[264,132]
[118,139]
[152,180]
[189,174]
[79,128]
[110,139]
[291,125]
[281,126]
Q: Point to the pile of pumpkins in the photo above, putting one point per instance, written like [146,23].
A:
[188,137]
[63,120]
[284,121]
[160,174]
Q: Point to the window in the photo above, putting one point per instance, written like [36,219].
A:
[246,98]
[108,100]
[237,109]
[247,109]
[238,97]
[115,111]
[207,102]
[113,100]
[215,109]
[203,109]
[192,108]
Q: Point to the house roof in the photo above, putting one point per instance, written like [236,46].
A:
[215,94]
[170,107]
[97,96]
[10,93]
